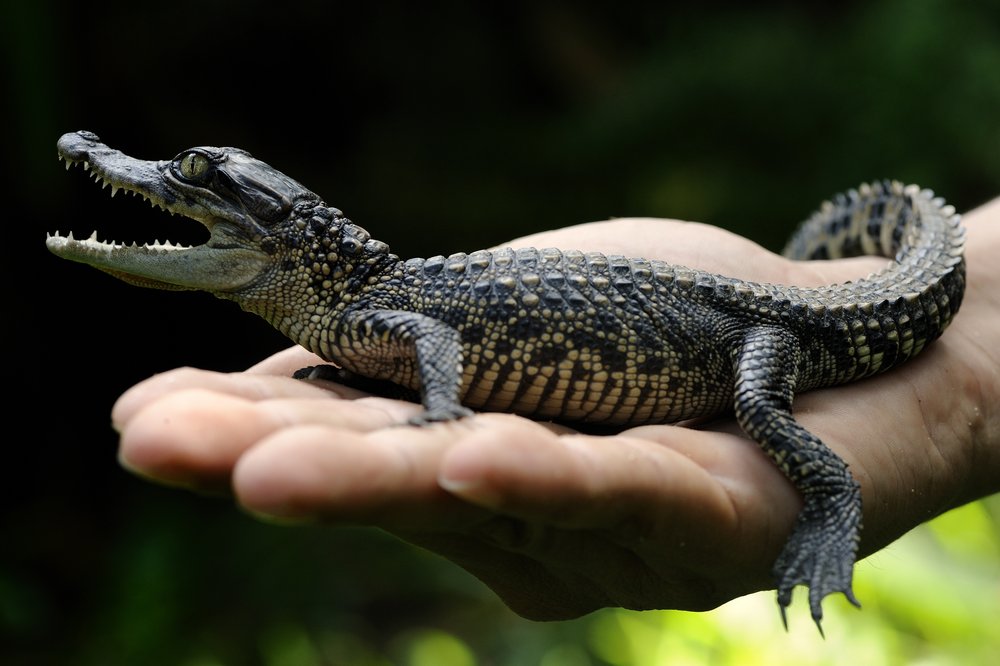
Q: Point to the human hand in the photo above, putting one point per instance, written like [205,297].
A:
[560,523]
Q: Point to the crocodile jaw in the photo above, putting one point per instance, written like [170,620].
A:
[163,265]
[221,264]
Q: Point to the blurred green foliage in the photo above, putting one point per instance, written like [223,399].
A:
[441,130]
[237,592]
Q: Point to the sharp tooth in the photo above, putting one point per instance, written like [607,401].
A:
[114,191]
[86,165]
[93,237]
[69,236]
[67,165]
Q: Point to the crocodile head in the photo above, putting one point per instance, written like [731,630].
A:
[243,202]
[274,247]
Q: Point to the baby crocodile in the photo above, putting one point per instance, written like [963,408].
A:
[560,334]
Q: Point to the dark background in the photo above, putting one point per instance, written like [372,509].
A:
[438,127]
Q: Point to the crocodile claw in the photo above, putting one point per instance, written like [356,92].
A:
[439,414]
[820,553]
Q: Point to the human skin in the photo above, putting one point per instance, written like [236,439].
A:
[560,523]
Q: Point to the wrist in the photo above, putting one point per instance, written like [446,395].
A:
[979,331]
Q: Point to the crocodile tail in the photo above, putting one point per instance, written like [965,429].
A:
[885,218]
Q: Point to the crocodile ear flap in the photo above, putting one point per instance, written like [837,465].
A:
[264,206]
[264,192]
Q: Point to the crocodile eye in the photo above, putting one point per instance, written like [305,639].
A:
[194,166]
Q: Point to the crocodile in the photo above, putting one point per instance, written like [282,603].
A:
[564,335]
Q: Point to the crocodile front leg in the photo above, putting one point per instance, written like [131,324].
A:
[823,545]
[411,350]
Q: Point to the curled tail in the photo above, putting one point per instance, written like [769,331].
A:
[919,231]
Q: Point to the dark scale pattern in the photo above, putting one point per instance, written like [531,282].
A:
[602,358]
[568,335]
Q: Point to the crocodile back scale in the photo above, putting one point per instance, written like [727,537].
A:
[561,334]
[587,337]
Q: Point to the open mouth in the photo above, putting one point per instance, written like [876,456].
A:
[219,264]
[190,233]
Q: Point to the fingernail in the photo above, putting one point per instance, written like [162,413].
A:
[462,474]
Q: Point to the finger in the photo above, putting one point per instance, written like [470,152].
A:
[254,387]
[251,386]
[286,362]
[748,476]
[193,437]
[386,477]
[577,481]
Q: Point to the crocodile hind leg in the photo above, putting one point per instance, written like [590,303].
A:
[822,548]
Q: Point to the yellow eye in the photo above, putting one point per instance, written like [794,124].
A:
[194,166]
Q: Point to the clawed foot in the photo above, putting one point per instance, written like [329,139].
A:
[820,553]
[439,414]
[328,373]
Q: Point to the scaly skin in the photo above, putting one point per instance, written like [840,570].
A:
[564,335]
